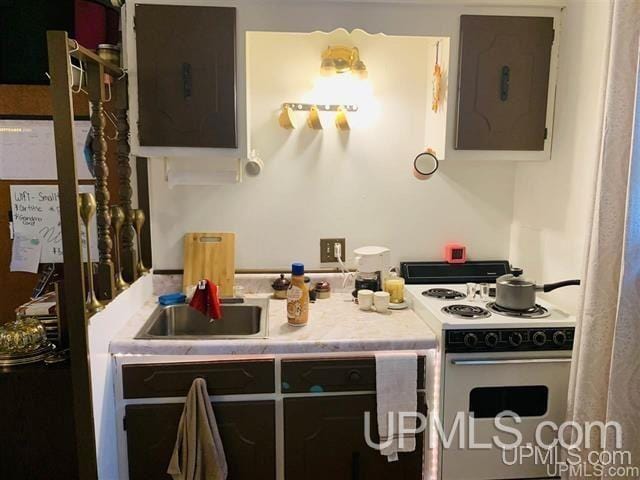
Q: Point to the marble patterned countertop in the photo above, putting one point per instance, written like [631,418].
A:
[335,325]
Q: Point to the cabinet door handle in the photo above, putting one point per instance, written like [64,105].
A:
[510,361]
[504,83]
[354,376]
[187,82]
[355,466]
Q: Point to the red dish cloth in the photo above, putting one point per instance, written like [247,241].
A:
[207,301]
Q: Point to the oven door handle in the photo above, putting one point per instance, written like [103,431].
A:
[511,361]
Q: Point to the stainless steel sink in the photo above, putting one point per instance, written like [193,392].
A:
[239,320]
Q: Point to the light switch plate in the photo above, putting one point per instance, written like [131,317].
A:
[326,249]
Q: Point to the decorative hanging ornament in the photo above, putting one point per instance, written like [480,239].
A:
[437,82]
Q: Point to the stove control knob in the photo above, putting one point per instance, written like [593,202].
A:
[491,340]
[515,339]
[470,340]
[559,338]
[539,338]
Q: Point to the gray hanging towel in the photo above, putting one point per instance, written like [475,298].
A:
[198,453]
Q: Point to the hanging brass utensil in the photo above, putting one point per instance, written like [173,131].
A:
[342,122]
[87,211]
[117,220]
[138,221]
[313,121]
[285,119]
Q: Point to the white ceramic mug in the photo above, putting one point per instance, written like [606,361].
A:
[365,299]
[381,301]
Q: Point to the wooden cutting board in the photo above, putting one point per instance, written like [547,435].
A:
[210,255]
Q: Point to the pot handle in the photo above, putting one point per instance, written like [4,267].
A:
[566,283]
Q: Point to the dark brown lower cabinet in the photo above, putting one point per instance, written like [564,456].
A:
[37,434]
[247,429]
[324,439]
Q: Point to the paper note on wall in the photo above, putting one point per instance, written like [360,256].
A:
[36,215]
[27,149]
[25,254]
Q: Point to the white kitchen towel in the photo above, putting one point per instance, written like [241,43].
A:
[396,385]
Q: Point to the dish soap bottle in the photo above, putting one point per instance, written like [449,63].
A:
[297,297]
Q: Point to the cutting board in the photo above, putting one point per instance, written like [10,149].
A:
[210,255]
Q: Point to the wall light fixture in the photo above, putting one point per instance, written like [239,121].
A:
[341,59]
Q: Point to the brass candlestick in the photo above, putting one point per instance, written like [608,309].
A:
[138,221]
[117,220]
[87,211]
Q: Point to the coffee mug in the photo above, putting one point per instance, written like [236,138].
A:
[365,299]
[381,301]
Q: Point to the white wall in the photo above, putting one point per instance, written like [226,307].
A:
[102,327]
[355,184]
[553,201]
[312,187]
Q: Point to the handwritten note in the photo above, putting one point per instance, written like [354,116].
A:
[36,215]
[25,254]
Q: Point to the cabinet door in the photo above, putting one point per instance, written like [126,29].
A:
[186,75]
[37,425]
[232,377]
[324,439]
[503,82]
[334,374]
[247,430]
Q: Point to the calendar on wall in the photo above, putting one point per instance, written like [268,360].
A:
[27,149]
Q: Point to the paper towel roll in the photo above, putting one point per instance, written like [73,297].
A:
[202,171]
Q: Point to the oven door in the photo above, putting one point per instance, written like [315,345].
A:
[532,384]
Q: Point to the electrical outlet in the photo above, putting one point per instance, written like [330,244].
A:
[326,249]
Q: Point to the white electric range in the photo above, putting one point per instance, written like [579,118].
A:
[490,361]
[476,314]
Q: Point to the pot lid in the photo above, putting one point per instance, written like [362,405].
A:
[281,283]
[323,287]
[515,279]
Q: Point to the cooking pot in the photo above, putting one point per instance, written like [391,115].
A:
[513,292]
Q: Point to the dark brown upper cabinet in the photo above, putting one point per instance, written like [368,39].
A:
[503,80]
[186,60]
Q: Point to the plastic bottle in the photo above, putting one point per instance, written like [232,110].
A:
[297,297]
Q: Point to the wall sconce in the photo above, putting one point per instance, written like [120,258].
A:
[340,59]
[285,119]
[313,121]
[286,116]
[342,122]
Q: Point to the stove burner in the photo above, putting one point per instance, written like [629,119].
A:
[536,312]
[443,294]
[469,312]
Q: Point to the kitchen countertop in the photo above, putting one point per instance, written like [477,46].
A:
[335,325]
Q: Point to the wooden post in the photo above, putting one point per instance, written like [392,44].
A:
[129,254]
[74,292]
[106,280]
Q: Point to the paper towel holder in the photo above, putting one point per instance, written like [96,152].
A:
[254,165]
[228,172]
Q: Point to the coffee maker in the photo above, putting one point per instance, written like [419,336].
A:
[373,265]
